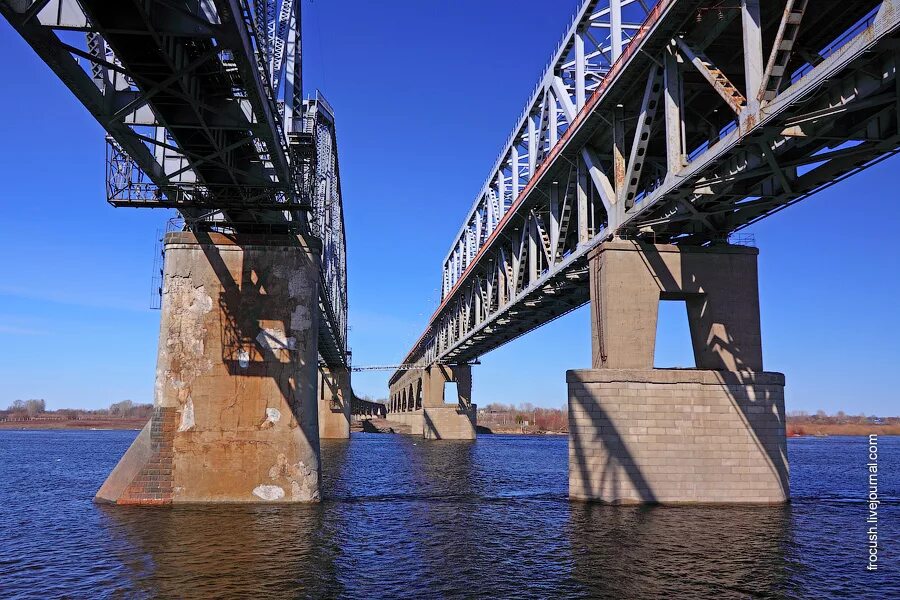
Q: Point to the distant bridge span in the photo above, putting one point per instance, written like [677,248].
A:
[657,131]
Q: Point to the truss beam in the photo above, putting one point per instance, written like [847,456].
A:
[690,173]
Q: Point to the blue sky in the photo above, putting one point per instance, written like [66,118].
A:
[424,101]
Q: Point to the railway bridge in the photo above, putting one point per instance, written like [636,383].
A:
[204,112]
[658,131]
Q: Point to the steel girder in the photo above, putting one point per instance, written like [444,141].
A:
[184,94]
[202,104]
[327,223]
[686,139]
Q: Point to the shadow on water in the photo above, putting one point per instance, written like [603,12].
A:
[230,550]
[681,552]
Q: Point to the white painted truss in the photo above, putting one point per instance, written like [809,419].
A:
[683,128]
[595,40]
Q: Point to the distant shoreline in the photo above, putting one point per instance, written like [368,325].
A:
[806,431]
[75,424]
[847,429]
[517,432]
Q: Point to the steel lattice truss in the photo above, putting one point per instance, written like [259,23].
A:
[202,104]
[679,121]
[328,225]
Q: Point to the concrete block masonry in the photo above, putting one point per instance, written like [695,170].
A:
[677,436]
[449,422]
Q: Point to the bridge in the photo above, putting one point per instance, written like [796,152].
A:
[658,131]
[204,112]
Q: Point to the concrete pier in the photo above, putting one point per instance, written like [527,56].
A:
[442,420]
[714,434]
[235,416]
[417,399]
[411,418]
[335,398]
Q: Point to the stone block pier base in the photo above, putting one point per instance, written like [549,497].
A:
[335,399]
[714,434]
[235,416]
[676,436]
[417,399]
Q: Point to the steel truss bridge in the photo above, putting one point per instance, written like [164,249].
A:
[679,121]
[204,113]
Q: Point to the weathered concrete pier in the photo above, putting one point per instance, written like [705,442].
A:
[235,408]
[335,402]
[213,123]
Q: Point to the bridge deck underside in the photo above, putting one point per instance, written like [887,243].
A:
[234,154]
[704,112]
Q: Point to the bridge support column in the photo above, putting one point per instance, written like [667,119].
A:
[235,411]
[453,421]
[714,434]
[335,397]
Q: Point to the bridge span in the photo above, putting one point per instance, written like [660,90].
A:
[203,107]
[658,131]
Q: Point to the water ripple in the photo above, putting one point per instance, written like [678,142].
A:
[407,519]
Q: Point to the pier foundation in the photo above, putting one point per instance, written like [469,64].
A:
[417,399]
[411,418]
[235,412]
[335,398]
[454,420]
[713,434]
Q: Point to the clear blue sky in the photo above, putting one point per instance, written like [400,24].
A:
[425,96]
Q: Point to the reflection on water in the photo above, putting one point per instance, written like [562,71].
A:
[199,553]
[413,519]
[696,552]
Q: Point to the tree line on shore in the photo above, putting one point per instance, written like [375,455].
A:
[802,423]
[525,416]
[33,409]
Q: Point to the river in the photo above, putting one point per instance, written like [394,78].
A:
[406,518]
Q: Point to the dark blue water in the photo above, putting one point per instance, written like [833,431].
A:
[405,518]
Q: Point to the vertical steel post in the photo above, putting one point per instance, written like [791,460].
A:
[532,147]
[615,28]
[579,71]
[753,55]
[582,197]
[672,102]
